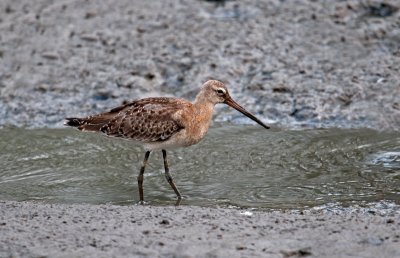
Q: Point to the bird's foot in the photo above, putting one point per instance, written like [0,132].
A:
[178,201]
[142,203]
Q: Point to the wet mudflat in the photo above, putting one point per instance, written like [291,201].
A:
[313,63]
[32,229]
[239,166]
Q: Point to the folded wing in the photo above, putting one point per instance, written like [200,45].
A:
[145,120]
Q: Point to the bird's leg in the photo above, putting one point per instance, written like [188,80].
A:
[168,175]
[140,176]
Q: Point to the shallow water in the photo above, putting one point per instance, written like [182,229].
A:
[241,166]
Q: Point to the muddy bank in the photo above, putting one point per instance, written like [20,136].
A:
[303,63]
[53,230]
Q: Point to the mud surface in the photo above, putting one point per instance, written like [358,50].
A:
[45,230]
[302,63]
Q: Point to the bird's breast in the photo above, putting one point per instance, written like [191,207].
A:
[195,122]
[198,124]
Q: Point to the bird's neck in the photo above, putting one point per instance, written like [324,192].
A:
[200,120]
[204,108]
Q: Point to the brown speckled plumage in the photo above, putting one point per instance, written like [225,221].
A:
[145,120]
[162,123]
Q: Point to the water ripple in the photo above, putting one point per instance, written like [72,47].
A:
[240,166]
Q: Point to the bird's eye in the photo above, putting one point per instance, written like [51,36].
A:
[220,91]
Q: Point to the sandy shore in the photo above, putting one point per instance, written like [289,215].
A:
[29,229]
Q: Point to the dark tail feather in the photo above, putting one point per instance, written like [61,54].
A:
[91,123]
[73,121]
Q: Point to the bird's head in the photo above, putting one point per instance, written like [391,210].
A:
[216,92]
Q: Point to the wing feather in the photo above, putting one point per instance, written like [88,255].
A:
[146,120]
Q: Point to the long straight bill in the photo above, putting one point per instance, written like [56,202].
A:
[229,101]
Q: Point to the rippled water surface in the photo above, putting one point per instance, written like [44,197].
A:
[244,166]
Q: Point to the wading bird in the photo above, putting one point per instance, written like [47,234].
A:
[162,123]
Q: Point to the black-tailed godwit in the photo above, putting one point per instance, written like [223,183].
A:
[162,123]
